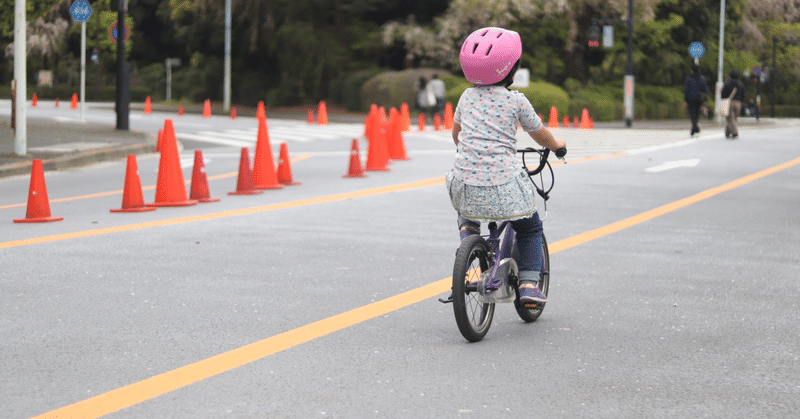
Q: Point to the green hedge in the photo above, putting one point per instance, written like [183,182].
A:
[393,88]
[346,90]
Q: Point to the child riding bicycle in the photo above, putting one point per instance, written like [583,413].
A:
[487,183]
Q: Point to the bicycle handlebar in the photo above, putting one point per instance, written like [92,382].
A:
[545,153]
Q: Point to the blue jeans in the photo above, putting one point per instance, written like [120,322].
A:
[529,243]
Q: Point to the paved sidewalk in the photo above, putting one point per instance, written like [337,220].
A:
[64,145]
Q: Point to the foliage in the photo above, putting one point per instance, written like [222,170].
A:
[288,52]
[393,88]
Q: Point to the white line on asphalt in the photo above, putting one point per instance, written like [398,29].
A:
[673,165]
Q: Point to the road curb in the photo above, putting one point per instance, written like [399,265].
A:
[77,159]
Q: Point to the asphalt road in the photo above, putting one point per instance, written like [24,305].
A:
[673,290]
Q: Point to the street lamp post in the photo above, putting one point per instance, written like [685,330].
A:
[720,64]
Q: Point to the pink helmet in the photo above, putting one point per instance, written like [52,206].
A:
[489,54]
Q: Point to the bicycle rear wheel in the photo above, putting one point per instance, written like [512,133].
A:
[472,316]
[532,314]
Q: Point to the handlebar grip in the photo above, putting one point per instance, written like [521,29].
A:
[561,152]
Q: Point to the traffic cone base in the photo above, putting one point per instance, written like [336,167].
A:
[38,210]
[132,199]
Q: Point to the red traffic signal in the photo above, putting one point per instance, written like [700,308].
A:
[594,37]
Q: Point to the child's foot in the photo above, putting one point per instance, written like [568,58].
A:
[529,293]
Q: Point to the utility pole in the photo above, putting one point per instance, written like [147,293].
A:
[718,90]
[226,88]
[123,73]
[20,78]
[629,81]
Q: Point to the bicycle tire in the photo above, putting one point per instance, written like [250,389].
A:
[473,317]
[531,315]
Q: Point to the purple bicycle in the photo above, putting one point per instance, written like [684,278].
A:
[485,270]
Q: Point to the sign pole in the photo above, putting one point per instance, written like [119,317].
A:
[83,71]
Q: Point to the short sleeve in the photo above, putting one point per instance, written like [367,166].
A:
[528,118]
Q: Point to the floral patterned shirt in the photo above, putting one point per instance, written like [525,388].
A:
[489,117]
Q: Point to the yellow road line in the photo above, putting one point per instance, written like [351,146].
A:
[222,214]
[163,383]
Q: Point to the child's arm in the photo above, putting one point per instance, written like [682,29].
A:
[545,139]
[456,130]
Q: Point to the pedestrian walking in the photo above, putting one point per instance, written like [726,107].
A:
[733,90]
[695,93]
[425,98]
[439,91]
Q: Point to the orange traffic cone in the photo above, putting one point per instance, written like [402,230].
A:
[233,112]
[158,142]
[553,118]
[585,124]
[34,100]
[405,118]
[260,112]
[245,184]
[394,135]
[38,204]
[263,165]
[199,189]
[56,102]
[180,109]
[132,198]
[355,169]
[566,121]
[207,109]
[437,122]
[322,114]
[377,153]
[448,116]
[284,167]
[576,123]
[74,104]
[421,122]
[170,187]
[310,116]
[148,106]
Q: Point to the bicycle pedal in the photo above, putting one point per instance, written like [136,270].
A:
[448,300]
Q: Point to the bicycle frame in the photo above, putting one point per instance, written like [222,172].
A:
[499,286]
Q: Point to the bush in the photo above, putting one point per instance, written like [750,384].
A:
[393,88]
[544,95]
[346,90]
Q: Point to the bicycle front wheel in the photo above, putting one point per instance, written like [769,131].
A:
[532,314]
[472,316]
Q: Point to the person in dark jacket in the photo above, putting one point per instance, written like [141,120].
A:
[731,128]
[695,92]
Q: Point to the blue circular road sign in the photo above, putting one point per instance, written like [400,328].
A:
[696,50]
[80,11]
